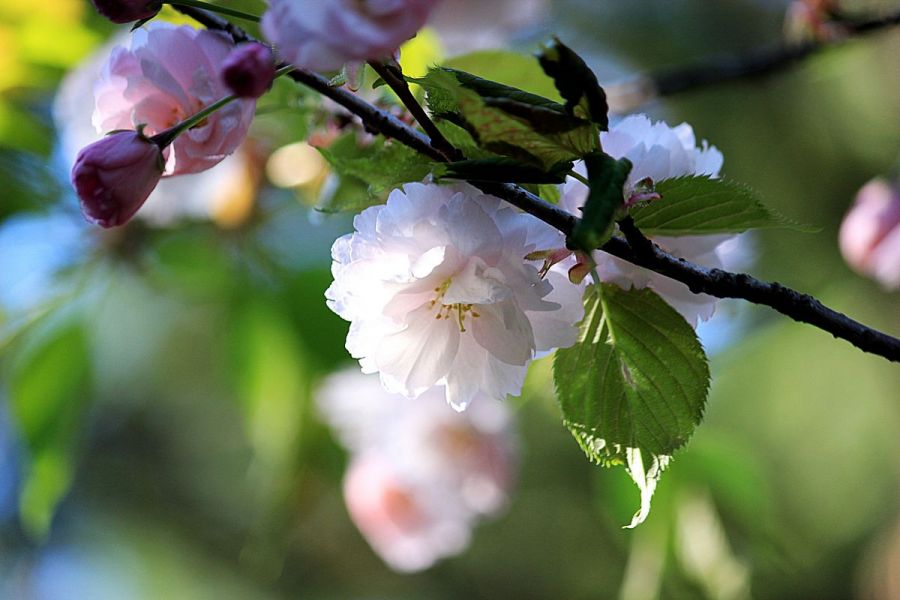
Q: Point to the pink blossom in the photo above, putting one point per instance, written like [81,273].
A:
[870,234]
[320,35]
[126,11]
[438,291]
[163,76]
[421,475]
[658,152]
[115,175]
[249,70]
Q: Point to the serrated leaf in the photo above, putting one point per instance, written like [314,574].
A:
[382,166]
[607,178]
[633,388]
[575,82]
[701,205]
[507,68]
[509,121]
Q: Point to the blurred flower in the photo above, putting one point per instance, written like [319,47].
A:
[420,474]
[438,291]
[126,11]
[249,70]
[115,175]
[812,21]
[165,75]
[870,234]
[468,25]
[324,35]
[659,152]
[225,188]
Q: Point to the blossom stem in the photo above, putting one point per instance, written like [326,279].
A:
[168,136]
[392,76]
[579,177]
[635,249]
[215,8]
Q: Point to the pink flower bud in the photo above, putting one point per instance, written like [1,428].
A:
[115,175]
[870,234]
[126,11]
[249,70]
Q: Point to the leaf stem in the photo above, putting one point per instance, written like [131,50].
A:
[579,177]
[215,8]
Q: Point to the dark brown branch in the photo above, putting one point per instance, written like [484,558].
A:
[723,284]
[635,248]
[394,78]
[722,69]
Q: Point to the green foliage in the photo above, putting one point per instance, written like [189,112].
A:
[700,205]
[575,82]
[508,68]
[633,388]
[49,383]
[607,179]
[509,121]
[381,166]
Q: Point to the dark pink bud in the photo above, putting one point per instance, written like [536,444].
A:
[249,70]
[127,11]
[115,175]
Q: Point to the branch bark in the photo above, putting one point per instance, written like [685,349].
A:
[635,248]
[726,68]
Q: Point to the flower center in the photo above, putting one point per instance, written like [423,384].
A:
[448,311]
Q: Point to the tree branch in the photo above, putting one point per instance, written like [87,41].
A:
[722,69]
[635,249]
[394,78]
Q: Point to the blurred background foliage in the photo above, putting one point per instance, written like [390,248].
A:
[157,431]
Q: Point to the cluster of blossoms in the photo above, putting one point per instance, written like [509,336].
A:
[420,475]
[439,291]
[437,283]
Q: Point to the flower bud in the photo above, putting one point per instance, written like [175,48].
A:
[249,70]
[870,234]
[127,11]
[115,175]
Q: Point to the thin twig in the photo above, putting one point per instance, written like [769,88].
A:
[723,284]
[725,68]
[394,78]
[635,249]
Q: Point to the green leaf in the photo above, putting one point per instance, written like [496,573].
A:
[575,82]
[508,68]
[382,166]
[607,179]
[49,384]
[633,388]
[503,169]
[700,205]
[509,121]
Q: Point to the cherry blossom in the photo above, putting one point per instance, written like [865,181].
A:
[870,234]
[164,75]
[420,474]
[249,70]
[438,291]
[659,152]
[319,35]
[115,175]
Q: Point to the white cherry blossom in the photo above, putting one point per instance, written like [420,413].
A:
[659,152]
[438,291]
[420,475]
